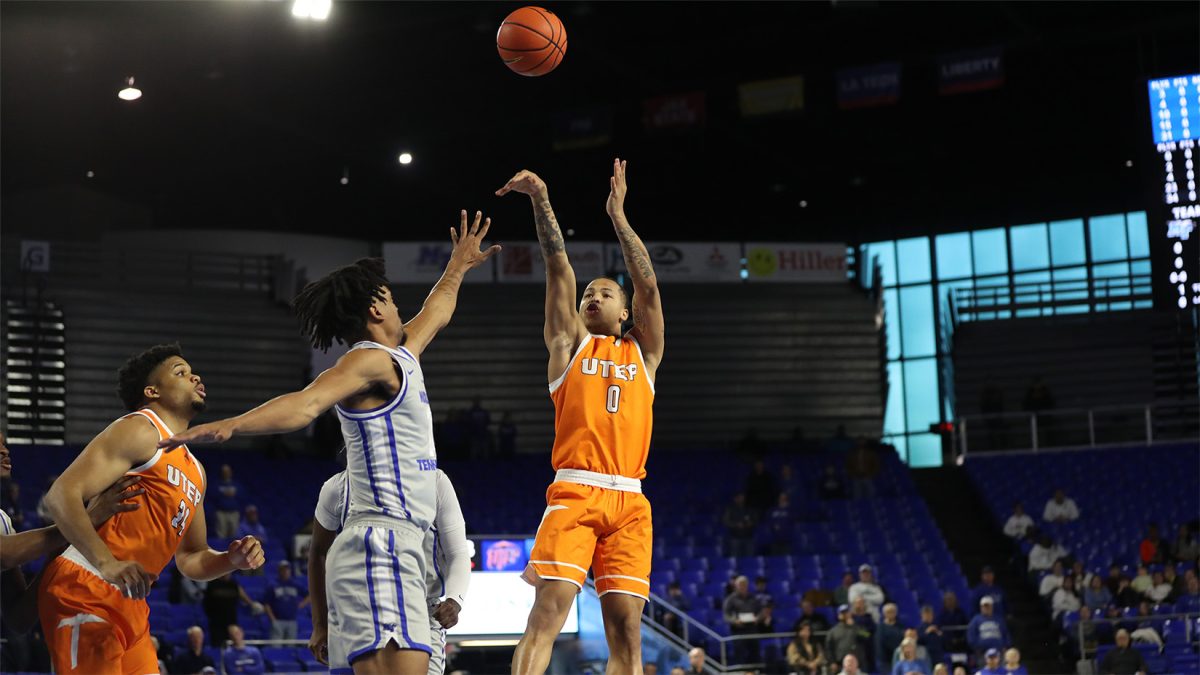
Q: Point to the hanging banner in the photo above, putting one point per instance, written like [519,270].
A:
[521,261]
[867,86]
[680,112]
[975,70]
[411,262]
[771,97]
[796,263]
[685,262]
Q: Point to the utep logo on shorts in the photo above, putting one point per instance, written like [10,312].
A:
[504,556]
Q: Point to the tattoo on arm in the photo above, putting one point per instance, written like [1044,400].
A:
[635,252]
[549,235]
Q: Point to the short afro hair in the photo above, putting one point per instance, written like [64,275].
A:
[335,306]
[133,377]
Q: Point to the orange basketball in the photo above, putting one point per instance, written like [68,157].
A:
[532,41]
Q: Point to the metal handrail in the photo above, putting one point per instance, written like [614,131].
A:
[965,423]
[1188,627]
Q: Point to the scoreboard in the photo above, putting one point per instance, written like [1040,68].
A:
[1175,213]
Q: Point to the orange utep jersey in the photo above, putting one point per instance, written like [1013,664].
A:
[174,484]
[603,409]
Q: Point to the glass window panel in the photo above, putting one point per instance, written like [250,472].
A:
[1066,243]
[1032,287]
[949,290]
[924,451]
[990,251]
[992,291]
[913,256]
[893,416]
[1070,284]
[886,252]
[916,322]
[891,313]
[1139,234]
[1120,306]
[1143,304]
[921,402]
[1110,270]
[1108,237]
[1140,267]
[1030,247]
[954,255]
[1071,309]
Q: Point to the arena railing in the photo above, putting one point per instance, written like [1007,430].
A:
[1089,653]
[1077,428]
[983,302]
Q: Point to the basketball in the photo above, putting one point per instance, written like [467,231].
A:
[532,41]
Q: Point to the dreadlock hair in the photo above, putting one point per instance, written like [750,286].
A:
[335,306]
[133,377]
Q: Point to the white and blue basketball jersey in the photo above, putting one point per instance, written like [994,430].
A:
[6,526]
[391,461]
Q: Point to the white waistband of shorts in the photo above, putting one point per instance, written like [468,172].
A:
[369,520]
[600,480]
[74,555]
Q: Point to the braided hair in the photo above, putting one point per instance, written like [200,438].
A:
[335,306]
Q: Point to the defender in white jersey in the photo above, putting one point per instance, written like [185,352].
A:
[447,552]
[383,407]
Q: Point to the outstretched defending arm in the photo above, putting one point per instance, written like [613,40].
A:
[439,306]
[563,329]
[356,372]
[648,324]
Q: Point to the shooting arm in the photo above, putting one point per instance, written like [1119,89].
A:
[648,324]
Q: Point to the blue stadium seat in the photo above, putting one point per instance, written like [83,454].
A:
[281,659]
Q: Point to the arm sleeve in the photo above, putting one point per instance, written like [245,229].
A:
[330,504]
[452,531]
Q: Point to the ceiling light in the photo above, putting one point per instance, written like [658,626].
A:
[317,10]
[406,158]
[130,92]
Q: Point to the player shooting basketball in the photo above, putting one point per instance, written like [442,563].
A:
[602,385]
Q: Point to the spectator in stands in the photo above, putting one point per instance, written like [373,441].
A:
[850,665]
[831,484]
[1097,595]
[987,630]
[991,660]
[987,586]
[739,521]
[1044,553]
[761,488]
[1152,550]
[941,669]
[1190,601]
[846,639]
[695,661]
[955,639]
[1018,523]
[1087,628]
[1012,662]
[1178,585]
[787,482]
[283,599]
[888,636]
[1160,590]
[1123,659]
[1038,396]
[1082,576]
[480,423]
[1052,581]
[670,620]
[221,600]
[241,658]
[922,654]
[742,611]
[1126,596]
[506,436]
[678,670]
[1065,599]
[1143,581]
[866,624]
[841,594]
[809,615]
[960,670]
[158,652]
[1060,508]
[228,503]
[930,636]
[649,668]
[1142,628]
[862,466]
[780,520]
[42,510]
[805,657]
[192,659]
[1185,548]
[908,664]
[867,590]
[765,623]
[1113,581]
[760,592]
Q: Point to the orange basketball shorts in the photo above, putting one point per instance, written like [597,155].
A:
[90,627]
[607,530]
